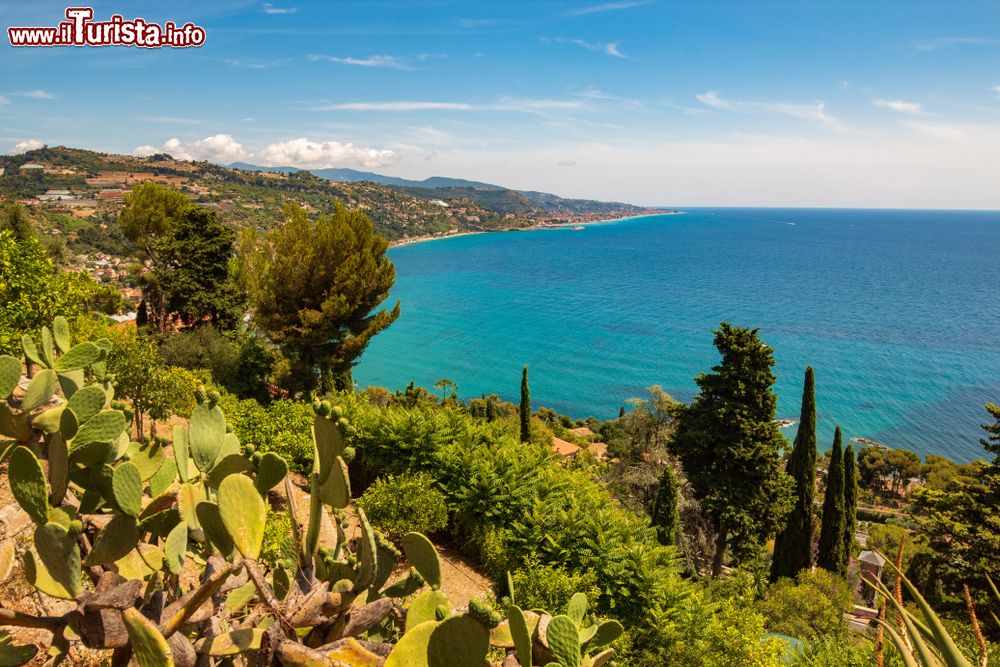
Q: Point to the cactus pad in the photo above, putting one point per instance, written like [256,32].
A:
[87,402]
[577,607]
[206,431]
[411,649]
[188,498]
[607,632]
[39,577]
[103,427]
[80,356]
[423,556]
[521,635]
[336,490]
[12,655]
[243,513]
[428,606]
[119,537]
[60,554]
[181,455]
[163,478]
[176,548]
[39,390]
[126,484]
[31,351]
[563,638]
[235,642]
[215,530]
[367,556]
[460,641]
[270,471]
[148,645]
[60,331]
[10,374]
[27,482]
[7,553]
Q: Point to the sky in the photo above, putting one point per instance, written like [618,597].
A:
[657,102]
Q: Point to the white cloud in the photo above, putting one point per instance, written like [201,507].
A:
[899,105]
[4,100]
[302,153]
[610,48]
[217,148]
[942,131]
[712,99]
[396,106]
[322,154]
[25,146]
[609,7]
[942,42]
[815,111]
[37,94]
[387,61]
[522,105]
[271,9]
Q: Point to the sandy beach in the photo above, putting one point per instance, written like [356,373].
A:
[539,226]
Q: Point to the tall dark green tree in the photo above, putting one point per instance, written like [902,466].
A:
[192,271]
[850,501]
[832,556]
[730,446]
[525,408]
[315,287]
[665,516]
[793,545]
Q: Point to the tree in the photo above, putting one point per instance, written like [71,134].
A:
[665,516]
[16,219]
[850,501]
[963,523]
[314,286]
[901,465]
[150,212]
[793,546]
[444,384]
[525,407]
[192,271]
[33,291]
[832,556]
[729,444]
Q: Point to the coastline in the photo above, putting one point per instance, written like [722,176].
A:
[533,228]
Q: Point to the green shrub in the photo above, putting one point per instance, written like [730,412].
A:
[809,608]
[550,587]
[283,427]
[236,360]
[406,503]
[279,541]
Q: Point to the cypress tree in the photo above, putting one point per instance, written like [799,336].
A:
[491,412]
[850,501]
[525,407]
[664,515]
[831,537]
[621,412]
[793,545]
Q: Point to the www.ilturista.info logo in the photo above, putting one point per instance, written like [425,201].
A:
[80,30]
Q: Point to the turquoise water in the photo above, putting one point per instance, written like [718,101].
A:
[896,310]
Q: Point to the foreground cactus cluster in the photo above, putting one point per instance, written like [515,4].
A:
[159,547]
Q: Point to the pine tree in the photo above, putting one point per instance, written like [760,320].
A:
[730,446]
[850,501]
[831,537]
[793,545]
[665,517]
[525,407]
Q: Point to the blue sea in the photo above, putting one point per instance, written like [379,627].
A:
[897,311]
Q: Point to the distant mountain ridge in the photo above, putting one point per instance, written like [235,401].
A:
[496,198]
[346,175]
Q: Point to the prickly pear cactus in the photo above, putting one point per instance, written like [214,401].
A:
[159,543]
